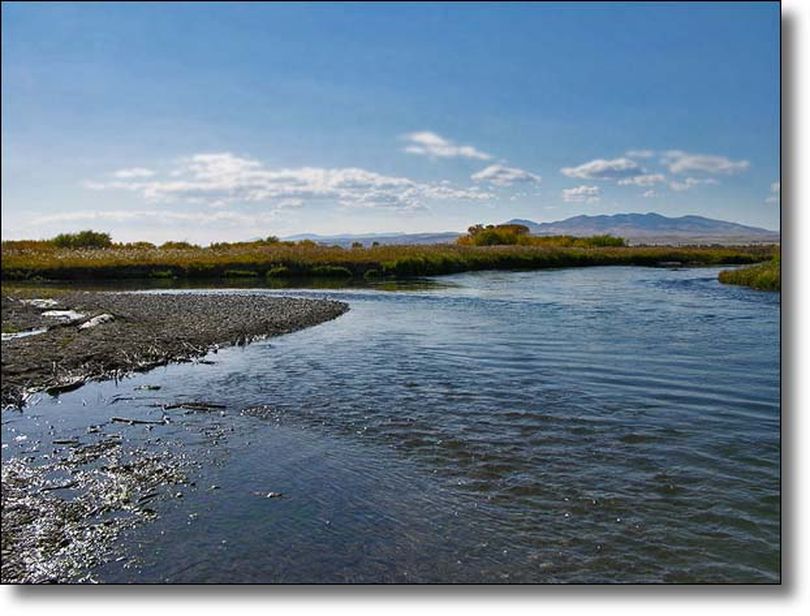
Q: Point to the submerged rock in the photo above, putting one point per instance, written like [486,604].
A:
[269,494]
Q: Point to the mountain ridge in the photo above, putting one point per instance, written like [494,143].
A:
[650,227]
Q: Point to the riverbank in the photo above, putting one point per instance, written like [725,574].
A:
[80,336]
[764,277]
[112,477]
[42,260]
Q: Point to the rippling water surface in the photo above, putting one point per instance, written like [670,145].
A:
[582,425]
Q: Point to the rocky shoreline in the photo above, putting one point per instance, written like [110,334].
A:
[66,497]
[57,344]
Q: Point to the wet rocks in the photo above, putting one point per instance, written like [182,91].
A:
[55,531]
[23,334]
[97,320]
[40,303]
[64,316]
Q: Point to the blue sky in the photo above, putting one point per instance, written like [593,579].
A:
[231,121]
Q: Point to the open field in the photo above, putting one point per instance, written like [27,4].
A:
[33,260]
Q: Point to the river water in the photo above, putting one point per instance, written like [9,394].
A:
[582,425]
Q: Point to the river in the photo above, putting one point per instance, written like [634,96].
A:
[611,424]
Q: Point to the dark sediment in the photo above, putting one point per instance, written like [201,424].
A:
[147,330]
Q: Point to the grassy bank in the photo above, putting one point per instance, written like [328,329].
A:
[285,259]
[765,276]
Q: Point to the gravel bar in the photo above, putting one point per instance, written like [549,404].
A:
[140,331]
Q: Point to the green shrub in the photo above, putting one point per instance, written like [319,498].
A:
[508,235]
[493,235]
[82,239]
[177,246]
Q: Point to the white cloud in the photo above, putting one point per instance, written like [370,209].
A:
[222,179]
[649,194]
[501,175]
[647,179]
[678,161]
[601,169]
[134,172]
[581,194]
[689,183]
[158,216]
[776,193]
[285,204]
[640,153]
[426,143]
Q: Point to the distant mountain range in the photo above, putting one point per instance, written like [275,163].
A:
[383,238]
[653,228]
[647,228]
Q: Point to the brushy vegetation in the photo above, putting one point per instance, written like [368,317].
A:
[511,235]
[765,276]
[29,260]
[82,239]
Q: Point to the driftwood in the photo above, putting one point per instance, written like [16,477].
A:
[132,422]
[62,388]
[194,406]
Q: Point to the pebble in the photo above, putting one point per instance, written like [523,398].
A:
[177,326]
[97,320]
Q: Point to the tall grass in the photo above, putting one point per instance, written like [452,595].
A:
[765,276]
[26,260]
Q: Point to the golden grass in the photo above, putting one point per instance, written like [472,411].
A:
[32,260]
[765,276]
